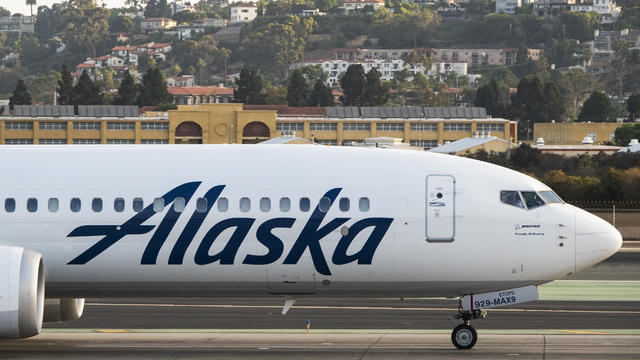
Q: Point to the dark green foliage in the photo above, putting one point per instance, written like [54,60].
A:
[353,83]
[554,103]
[633,106]
[121,24]
[298,90]
[86,92]
[321,95]
[596,109]
[249,87]
[374,93]
[4,12]
[625,133]
[153,90]
[157,8]
[488,96]
[20,95]
[65,86]
[529,101]
[128,91]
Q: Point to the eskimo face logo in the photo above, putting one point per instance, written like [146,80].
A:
[309,238]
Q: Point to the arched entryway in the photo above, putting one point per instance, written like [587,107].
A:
[188,132]
[255,132]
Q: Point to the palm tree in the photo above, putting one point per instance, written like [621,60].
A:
[31,3]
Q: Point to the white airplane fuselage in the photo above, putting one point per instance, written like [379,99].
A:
[435,224]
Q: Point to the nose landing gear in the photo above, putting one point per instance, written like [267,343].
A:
[464,336]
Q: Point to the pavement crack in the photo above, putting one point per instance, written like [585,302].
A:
[370,346]
[544,346]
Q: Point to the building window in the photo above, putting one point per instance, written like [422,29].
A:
[428,144]
[121,141]
[18,125]
[87,125]
[121,126]
[490,127]
[592,136]
[352,142]
[154,126]
[294,126]
[457,127]
[53,125]
[52,141]
[86,141]
[18,141]
[327,142]
[323,126]
[153,141]
[356,127]
[424,127]
[390,126]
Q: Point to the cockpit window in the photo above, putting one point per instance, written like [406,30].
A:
[532,199]
[511,198]
[551,197]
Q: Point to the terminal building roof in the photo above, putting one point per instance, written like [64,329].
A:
[99,111]
[376,112]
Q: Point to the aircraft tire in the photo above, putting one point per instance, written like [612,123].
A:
[464,336]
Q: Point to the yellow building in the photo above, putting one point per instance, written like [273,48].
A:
[573,133]
[237,123]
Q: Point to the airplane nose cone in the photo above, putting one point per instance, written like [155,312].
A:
[596,240]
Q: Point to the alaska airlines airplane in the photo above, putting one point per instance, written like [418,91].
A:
[277,220]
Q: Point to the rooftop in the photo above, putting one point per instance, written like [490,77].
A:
[200,90]
[465,144]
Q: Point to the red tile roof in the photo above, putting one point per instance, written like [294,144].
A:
[85,66]
[200,90]
[244,5]
[123,48]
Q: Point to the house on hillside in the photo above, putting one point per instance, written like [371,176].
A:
[157,24]
[241,13]
[349,6]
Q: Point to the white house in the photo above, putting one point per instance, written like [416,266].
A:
[353,5]
[157,24]
[507,6]
[243,13]
[607,9]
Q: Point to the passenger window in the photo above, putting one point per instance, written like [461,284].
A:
[75,205]
[202,204]
[245,204]
[364,204]
[344,204]
[158,204]
[532,199]
[118,204]
[179,204]
[265,204]
[138,204]
[53,205]
[10,205]
[511,198]
[305,204]
[96,204]
[223,204]
[325,204]
[285,204]
[32,205]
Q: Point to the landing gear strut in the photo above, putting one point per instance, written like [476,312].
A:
[464,336]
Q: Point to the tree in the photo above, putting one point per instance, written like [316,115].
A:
[298,89]
[249,87]
[633,106]
[4,12]
[554,102]
[374,94]
[157,8]
[353,83]
[128,91]
[31,3]
[529,101]
[86,92]
[43,86]
[596,108]
[153,90]
[488,96]
[20,95]
[121,24]
[65,86]
[625,133]
[321,95]
[87,27]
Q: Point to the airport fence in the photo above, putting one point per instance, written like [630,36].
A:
[624,215]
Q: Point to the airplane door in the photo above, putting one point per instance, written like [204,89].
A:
[290,278]
[440,208]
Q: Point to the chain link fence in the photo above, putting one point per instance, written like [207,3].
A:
[624,215]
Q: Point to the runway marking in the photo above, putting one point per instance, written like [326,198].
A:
[381,308]
[113,331]
[583,332]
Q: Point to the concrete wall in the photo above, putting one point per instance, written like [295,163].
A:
[572,133]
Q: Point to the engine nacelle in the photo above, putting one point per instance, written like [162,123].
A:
[63,309]
[21,292]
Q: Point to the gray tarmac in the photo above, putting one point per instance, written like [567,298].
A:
[343,328]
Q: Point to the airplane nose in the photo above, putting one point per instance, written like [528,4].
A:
[596,239]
